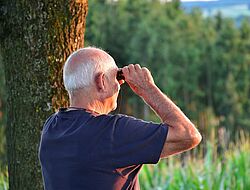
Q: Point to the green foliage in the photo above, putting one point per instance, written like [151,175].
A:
[4,182]
[227,171]
[201,63]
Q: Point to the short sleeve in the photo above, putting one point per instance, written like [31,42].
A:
[136,141]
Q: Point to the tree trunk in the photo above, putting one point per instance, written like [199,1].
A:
[35,42]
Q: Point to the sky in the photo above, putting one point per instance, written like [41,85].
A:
[197,0]
[228,8]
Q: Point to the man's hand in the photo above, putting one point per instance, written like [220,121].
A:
[139,79]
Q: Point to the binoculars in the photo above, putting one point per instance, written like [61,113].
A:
[119,75]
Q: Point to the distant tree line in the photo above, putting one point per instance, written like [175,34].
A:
[203,64]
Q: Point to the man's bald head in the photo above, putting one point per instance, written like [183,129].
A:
[82,66]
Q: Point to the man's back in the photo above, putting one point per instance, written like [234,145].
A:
[81,151]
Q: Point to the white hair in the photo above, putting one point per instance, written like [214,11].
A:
[82,65]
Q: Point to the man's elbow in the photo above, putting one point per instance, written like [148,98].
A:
[186,140]
[195,138]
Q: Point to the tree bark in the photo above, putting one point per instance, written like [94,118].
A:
[36,39]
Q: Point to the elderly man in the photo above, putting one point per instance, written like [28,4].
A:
[83,147]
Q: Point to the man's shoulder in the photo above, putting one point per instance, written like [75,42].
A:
[124,117]
[113,119]
[125,120]
[121,117]
[49,118]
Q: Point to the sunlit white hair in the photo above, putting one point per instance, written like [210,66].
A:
[82,65]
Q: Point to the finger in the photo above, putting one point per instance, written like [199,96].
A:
[125,71]
[137,67]
[131,68]
[147,74]
[145,70]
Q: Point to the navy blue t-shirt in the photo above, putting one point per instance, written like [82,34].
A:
[81,151]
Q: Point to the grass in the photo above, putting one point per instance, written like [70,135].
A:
[212,172]
[4,185]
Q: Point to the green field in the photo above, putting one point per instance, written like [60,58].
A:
[229,171]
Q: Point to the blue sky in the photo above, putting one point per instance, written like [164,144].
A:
[228,8]
[197,0]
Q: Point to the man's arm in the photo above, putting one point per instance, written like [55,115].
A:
[182,134]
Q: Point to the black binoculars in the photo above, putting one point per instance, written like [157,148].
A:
[119,75]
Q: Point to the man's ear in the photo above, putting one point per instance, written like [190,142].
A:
[100,82]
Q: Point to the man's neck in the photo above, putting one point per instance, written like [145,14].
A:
[94,106]
[88,100]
